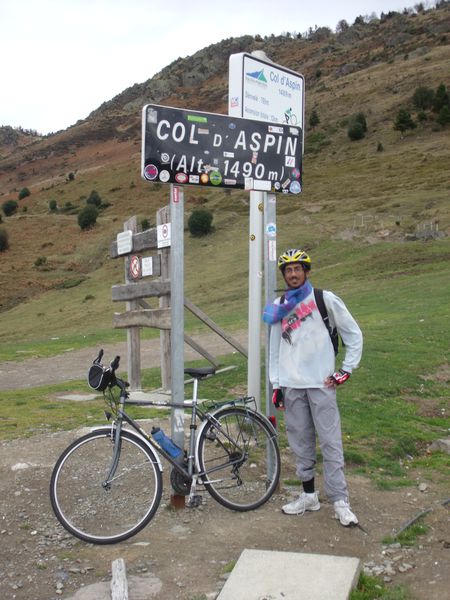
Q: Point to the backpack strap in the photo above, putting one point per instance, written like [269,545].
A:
[318,295]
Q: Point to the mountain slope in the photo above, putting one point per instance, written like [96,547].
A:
[352,192]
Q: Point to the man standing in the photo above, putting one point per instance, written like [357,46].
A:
[302,373]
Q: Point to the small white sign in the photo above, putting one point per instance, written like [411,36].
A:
[147,266]
[272,250]
[163,233]
[124,242]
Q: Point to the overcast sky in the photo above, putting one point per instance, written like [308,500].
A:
[60,59]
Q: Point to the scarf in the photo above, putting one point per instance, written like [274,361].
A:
[276,312]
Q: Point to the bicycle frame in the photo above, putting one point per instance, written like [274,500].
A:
[192,472]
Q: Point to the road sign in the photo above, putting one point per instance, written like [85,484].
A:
[147,266]
[124,242]
[135,267]
[163,235]
[262,90]
[207,149]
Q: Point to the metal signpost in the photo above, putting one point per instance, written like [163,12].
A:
[264,91]
[258,148]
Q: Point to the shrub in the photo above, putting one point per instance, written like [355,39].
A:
[423,98]
[200,222]
[9,207]
[4,241]
[380,147]
[356,131]
[87,216]
[357,126]
[94,199]
[422,116]
[404,121]
[145,224]
[443,117]
[314,119]
[360,118]
[441,98]
[24,192]
[52,205]
[71,176]
[40,261]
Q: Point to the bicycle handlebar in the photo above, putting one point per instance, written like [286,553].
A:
[114,365]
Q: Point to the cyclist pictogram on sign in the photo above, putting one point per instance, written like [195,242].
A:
[135,267]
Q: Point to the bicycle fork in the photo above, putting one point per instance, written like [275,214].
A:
[194,499]
[116,429]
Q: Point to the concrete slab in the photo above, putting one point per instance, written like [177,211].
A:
[267,575]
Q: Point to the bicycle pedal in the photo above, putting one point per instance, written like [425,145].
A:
[195,501]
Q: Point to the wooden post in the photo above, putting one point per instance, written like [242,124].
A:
[119,584]
[133,333]
[163,216]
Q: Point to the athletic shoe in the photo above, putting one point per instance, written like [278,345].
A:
[303,503]
[343,512]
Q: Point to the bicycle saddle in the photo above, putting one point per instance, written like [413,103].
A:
[200,373]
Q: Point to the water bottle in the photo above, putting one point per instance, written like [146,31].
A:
[166,443]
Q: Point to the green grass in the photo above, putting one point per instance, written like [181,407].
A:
[373,588]
[409,536]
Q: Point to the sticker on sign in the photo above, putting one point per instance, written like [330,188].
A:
[163,235]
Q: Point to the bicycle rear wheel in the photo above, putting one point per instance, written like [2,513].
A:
[99,513]
[239,458]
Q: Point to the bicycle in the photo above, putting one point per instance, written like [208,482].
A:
[107,485]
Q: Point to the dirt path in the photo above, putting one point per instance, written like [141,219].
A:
[74,364]
[182,555]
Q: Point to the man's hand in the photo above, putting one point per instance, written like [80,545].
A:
[277,399]
[337,378]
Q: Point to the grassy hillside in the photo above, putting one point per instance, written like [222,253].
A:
[357,215]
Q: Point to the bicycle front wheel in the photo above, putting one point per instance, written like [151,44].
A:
[239,458]
[98,511]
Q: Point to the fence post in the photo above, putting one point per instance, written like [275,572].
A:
[133,333]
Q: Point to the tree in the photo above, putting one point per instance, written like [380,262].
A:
[443,117]
[200,222]
[314,119]
[441,98]
[404,121]
[342,26]
[9,207]
[87,216]
[4,243]
[24,192]
[423,98]
[355,131]
[357,126]
[361,118]
[94,198]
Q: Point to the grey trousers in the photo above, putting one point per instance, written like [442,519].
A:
[311,411]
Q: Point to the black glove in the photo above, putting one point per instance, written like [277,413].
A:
[278,399]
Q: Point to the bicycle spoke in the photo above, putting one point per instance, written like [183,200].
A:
[100,511]
[240,459]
